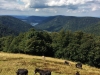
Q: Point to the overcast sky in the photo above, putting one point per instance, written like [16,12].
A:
[50,7]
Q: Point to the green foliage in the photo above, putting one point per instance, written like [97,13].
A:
[4,31]
[94,29]
[32,42]
[5,43]
[75,46]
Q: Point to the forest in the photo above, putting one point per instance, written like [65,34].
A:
[75,46]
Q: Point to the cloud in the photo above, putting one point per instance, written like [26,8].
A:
[11,5]
[51,6]
[92,5]
[69,4]
[53,3]
[36,9]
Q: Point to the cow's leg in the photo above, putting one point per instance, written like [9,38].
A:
[26,73]
[41,74]
[17,73]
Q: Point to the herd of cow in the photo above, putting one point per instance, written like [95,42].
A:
[40,71]
[78,65]
[45,72]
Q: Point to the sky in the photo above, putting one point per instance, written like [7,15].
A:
[50,7]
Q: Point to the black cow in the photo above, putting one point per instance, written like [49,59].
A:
[22,72]
[77,73]
[42,72]
[79,65]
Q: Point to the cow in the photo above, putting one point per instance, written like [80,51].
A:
[22,72]
[79,65]
[77,73]
[42,72]
[66,62]
[43,57]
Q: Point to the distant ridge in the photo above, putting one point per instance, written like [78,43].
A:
[5,31]
[14,24]
[56,23]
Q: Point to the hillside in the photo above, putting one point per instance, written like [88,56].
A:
[33,20]
[14,24]
[4,31]
[9,63]
[72,23]
[94,29]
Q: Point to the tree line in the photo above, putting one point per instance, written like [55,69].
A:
[75,46]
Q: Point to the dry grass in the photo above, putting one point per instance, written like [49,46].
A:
[9,63]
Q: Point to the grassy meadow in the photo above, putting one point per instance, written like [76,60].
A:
[9,63]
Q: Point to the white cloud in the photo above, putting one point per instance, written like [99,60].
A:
[94,8]
[11,5]
[70,4]
[27,5]
[36,9]
[51,6]
[55,3]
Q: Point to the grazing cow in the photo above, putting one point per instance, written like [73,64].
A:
[66,62]
[22,72]
[43,57]
[77,73]
[42,72]
[79,65]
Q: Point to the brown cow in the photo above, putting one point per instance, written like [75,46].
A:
[42,72]
[22,72]
[77,73]
[79,65]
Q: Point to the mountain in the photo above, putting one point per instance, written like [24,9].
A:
[19,17]
[53,23]
[56,23]
[4,31]
[33,20]
[14,24]
[94,29]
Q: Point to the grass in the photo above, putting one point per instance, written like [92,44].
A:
[9,63]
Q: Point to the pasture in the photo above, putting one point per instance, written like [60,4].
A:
[9,63]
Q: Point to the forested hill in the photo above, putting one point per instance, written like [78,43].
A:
[94,29]
[5,31]
[72,23]
[13,24]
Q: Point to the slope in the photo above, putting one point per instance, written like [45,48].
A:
[94,29]
[9,63]
[4,31]
[35,19]
[14,24]
[67,23]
